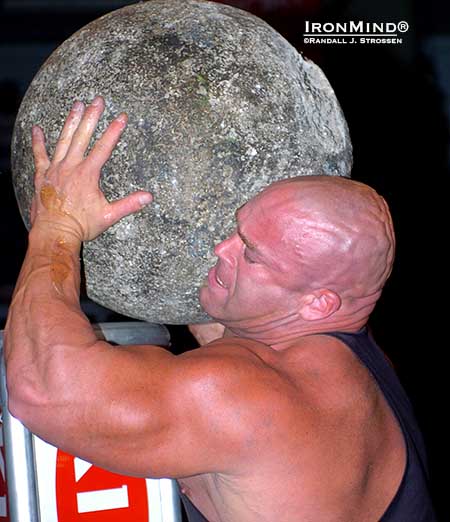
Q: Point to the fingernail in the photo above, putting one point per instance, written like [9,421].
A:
[123,117]
[144,199]
[98,100]
[78,106]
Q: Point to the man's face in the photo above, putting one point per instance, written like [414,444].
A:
[254,280]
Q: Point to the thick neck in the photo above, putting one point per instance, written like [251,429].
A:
[282,334]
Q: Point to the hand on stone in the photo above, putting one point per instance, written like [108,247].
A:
[67,193]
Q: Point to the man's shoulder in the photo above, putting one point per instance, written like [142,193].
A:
[255,397]
[240,375]
[253,386]
[238,348]
[311,362]
[233,358]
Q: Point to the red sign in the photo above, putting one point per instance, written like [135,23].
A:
[85,493]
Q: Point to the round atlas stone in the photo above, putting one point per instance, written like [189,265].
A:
[220,105]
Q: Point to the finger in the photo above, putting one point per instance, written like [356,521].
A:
[70,126]
[123,207]
[103,148]
[85,130]
[41,161]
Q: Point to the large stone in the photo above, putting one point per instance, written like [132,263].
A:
[219,104]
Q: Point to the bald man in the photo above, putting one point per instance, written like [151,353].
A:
[288,412]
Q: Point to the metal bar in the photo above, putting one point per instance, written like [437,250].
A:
[19,459]
[170,500]
[133,332]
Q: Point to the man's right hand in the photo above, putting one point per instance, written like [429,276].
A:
[68,196]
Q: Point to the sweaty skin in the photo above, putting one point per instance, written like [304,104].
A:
[50,199]
[60,264]
[269,419]
[60,267]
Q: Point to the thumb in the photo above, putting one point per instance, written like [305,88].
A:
[123,207]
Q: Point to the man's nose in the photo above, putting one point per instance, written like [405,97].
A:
[228,247]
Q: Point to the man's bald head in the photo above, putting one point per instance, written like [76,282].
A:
[308,254]
[339,230]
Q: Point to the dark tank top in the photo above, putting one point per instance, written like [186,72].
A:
[412,502]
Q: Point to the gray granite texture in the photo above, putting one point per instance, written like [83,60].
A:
[219,105]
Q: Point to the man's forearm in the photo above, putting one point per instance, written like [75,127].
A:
[45,315]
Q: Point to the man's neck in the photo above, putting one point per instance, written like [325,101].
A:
[283,337]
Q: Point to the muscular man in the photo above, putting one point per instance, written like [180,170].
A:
[293,415]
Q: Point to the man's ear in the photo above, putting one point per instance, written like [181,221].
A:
[319,304]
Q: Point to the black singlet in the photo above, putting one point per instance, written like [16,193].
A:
[412,502]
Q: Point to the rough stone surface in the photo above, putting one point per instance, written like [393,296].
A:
[219,106]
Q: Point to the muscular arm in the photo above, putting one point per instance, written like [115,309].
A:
[137,410]
[81,394]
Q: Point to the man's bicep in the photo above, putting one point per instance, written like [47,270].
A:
[140,410]
[104,404]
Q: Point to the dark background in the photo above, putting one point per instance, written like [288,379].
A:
[397,102]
